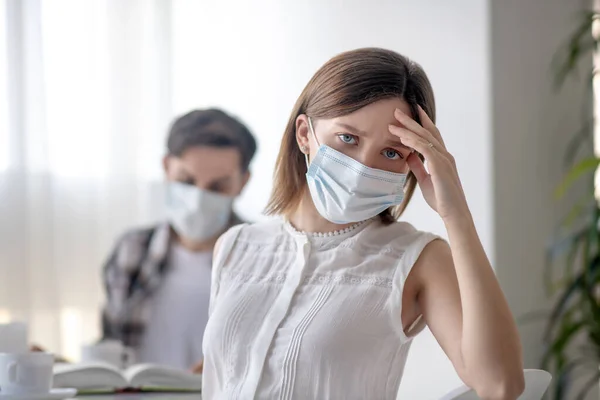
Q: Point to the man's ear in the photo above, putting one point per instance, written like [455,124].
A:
[245,180]
[165,163]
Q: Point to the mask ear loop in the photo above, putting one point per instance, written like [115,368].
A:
[312,131]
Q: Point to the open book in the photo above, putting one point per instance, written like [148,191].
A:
[105,378]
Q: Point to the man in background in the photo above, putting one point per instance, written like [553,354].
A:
[157,279]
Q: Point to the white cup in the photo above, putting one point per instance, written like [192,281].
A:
[26,373]
[109,351]
[13,338]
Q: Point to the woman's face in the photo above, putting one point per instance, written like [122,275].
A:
[362,135]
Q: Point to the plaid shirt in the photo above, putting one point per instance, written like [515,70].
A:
[135,268]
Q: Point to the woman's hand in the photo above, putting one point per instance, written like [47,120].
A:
[198,368]
[440,186]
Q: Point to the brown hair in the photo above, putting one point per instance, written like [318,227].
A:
[213,128]
[346,83]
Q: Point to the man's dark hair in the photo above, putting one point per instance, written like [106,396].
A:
[211,127]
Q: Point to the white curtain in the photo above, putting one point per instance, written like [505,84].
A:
[85,101]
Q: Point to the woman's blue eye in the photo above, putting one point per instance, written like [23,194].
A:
[391,154]
[348,139]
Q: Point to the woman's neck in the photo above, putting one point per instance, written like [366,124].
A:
[307,219]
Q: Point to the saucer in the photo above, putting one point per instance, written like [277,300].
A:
[54,394]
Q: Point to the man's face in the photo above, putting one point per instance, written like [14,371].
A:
[216,169]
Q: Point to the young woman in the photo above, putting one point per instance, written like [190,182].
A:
[322,303]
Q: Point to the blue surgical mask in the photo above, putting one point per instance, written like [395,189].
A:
[345,191]
[197,214]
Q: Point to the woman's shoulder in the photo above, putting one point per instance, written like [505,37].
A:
[256,231]
[397,234]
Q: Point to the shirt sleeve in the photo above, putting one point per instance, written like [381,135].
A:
[112,283]
[118,273]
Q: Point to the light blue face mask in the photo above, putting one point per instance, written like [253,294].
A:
[345,191]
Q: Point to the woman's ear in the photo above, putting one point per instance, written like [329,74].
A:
[303,133]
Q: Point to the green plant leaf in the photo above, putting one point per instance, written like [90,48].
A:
[587,165]
[571,260]
[585,135]
[559,344]
[570,292]
[561,335]
[562,378]
[580,43]
[590,278]
[567,243]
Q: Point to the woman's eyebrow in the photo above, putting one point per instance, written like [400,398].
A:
[352,129]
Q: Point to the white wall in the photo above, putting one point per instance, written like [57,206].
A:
[254,58]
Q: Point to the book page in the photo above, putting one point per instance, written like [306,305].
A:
[88,376]
[149,376]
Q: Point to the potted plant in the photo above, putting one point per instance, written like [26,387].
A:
[572,333]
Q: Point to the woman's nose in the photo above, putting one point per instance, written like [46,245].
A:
[367,158]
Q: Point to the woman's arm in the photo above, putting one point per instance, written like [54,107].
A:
[456,289]
[467,313]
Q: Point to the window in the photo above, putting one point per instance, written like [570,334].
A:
[4,143]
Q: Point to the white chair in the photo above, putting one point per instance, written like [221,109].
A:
[536,384]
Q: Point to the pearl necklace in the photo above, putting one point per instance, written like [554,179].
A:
[334,233]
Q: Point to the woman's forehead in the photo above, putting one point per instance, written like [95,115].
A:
[372,118]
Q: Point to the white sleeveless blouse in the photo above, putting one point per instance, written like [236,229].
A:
[294,316]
